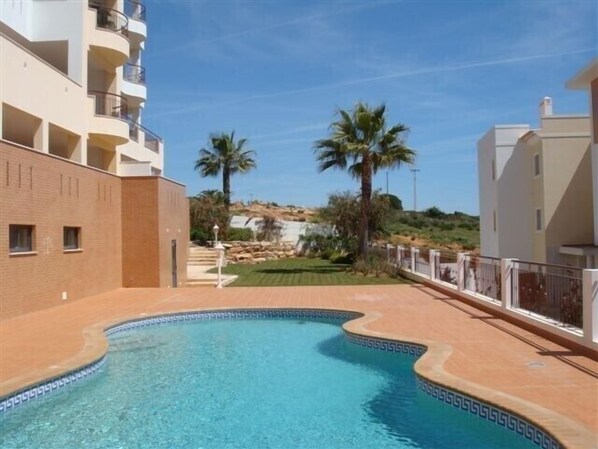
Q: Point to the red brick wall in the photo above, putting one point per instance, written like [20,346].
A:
[140,232]
[155,212]
[174,225]
[127,225]
[50,193]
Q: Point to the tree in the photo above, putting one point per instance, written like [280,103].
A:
[226,156]
[395,202]
[206,210]
[361,143]
[269,228]
[343,212]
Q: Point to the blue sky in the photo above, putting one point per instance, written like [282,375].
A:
[275,72]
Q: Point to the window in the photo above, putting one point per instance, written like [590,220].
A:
[72,238]
[21,238]
[494,219]
[536,165]
[538,219]
[493,169]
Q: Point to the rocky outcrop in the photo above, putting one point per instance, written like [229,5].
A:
[256,252]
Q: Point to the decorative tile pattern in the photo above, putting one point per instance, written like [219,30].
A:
[49,386]
[485,411]
[488,412]
[468,404]
[386,345]
[235,314]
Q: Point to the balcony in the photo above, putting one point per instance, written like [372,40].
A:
[144,136]
[109,121]
[133,85]
[109,33]
[134,73]
[135,11]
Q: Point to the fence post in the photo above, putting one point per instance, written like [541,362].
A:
[432,261]
[399,255]
[506,283]
[388,246]
[461,271]
[413,259]
[590,305]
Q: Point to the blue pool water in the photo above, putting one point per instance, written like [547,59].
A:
[247,384]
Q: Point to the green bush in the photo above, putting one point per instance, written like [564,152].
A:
[240,234]
[446,225]
[199,236]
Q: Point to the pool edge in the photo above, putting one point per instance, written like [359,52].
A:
[428,368]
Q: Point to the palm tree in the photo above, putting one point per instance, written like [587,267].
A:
[360,142]
[226,156]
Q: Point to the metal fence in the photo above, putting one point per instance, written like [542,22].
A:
[422,261]
[552,291]
[482,276]
[391,252]
[405,259]
[446,269]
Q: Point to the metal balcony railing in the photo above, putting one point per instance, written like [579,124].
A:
[134,73]
[110,19]
[135,10]
[110,105]
[151,141]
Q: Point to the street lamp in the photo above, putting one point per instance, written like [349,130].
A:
[215,229]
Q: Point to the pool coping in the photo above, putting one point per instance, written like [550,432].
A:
[432,378]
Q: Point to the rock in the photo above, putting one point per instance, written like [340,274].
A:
[244,256]
[227,245]
[259,259]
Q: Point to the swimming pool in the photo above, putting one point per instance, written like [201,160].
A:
[249,383]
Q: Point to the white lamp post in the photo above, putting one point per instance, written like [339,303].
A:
[215,229]
[220,248]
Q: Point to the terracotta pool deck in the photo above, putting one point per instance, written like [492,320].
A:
[468,350]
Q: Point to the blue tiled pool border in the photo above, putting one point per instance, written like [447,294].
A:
[458,400]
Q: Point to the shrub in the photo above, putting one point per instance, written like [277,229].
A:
[240,234]
[199,236]
[446,225]
[375,262]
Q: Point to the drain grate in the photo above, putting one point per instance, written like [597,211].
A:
[535,365]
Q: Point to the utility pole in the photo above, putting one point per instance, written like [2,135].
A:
[414,171]
[387,183]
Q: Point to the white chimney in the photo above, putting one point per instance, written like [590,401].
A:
[546,107]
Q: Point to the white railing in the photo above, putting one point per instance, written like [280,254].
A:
[561,300]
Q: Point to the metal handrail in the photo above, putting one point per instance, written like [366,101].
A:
[135,10]
[134,73]
[110,105]
[110,19]
[151,141]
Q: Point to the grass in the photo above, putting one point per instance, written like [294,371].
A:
[301,271]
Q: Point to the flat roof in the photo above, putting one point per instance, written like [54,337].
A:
[584,77]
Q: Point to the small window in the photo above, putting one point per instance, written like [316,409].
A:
[538,219]
[493,169]
[72,238]
[536,165]
[494,219]
[21,238]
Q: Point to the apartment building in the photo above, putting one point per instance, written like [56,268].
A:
[536,190]
[84,206]
[587,79]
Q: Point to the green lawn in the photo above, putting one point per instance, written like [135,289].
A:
[300,271]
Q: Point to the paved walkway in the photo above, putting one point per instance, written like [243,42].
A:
[468,350]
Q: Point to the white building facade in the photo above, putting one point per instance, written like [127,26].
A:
[536,188]
[72,83]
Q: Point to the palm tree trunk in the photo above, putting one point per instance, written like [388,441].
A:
[226,186]
[366,198]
